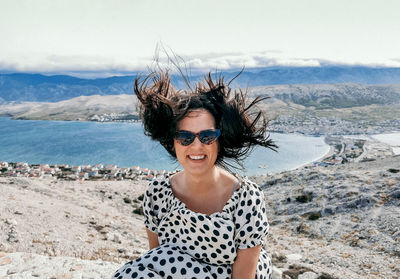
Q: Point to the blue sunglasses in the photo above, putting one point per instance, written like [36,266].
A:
[206,136]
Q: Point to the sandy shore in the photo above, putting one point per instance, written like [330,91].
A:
[338,221]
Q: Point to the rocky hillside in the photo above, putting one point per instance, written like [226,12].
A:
[323,96]
[350,102]
[79,108]
[350,209]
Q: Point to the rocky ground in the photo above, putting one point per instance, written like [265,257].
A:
[338,221]
[65,221]
[341,220]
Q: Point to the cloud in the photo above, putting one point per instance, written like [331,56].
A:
[97,66]
[56,63]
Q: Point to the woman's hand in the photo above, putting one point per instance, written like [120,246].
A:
[153,239]
[246,262]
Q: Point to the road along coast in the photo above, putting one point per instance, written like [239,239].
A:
[338,218]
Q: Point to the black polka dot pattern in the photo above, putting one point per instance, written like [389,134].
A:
[194,245]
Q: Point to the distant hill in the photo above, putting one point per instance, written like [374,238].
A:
[320,75]
[40,88]
[322,96]
[79,108]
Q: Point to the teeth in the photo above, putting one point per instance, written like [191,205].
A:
[197,157]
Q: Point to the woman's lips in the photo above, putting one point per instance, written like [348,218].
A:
[196,157]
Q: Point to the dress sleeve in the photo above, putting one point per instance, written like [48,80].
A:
[151,209]
[251,223]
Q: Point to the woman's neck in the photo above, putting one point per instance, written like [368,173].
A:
[202,183]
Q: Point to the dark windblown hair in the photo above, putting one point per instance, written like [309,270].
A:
[162,107]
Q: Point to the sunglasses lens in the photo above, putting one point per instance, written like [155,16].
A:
[208,136]
[185,138]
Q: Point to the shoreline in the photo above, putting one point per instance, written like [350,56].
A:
[114,172]
[109,171]
[369,150]
[329,153]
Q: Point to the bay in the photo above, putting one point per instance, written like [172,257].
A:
[125,145]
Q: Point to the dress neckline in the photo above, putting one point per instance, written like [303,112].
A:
[224,208]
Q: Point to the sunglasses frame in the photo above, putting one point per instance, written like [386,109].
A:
[193,136]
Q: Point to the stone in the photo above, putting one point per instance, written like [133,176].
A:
[12,271]
[395,194]
[5,261]
[295,270]
[62,276]
[303,228]
[12,237]
[294,257]
[76,267]
[276,273]
[11,222]
[116,238]
[308,275]
[127,200]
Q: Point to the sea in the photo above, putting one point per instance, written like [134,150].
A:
[125,145]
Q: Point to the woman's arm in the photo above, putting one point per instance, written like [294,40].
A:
[153,239]
[246,262]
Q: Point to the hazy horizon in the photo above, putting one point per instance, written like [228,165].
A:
[194,72]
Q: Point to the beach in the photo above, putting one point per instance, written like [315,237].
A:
[337,218]
[392,139]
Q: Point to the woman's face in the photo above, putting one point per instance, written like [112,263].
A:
[197,158]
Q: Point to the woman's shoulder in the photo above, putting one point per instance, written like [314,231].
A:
[249,193]
[158,184]
[248,186]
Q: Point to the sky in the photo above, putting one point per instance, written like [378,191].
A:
[120,36]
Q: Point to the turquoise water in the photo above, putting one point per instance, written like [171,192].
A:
[124,144]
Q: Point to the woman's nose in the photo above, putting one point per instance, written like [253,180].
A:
[197,141]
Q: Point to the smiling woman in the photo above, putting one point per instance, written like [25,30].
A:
[204,221]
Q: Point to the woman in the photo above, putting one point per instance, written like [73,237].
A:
[204,221]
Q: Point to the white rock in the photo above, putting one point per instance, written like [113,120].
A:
[294,257]
[308,275]
[276,273]
[116,238]
[11,222]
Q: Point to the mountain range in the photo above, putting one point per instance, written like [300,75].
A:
[20,87]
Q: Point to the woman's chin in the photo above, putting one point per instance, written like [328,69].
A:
[197,166]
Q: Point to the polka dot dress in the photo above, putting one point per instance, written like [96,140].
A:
[195,245]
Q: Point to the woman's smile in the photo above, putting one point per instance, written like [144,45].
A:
[197,157]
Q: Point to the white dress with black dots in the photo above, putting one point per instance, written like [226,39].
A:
[195,245]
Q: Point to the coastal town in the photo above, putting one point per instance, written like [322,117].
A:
[81,172]
[114,117]
[317,126]
[311,125]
